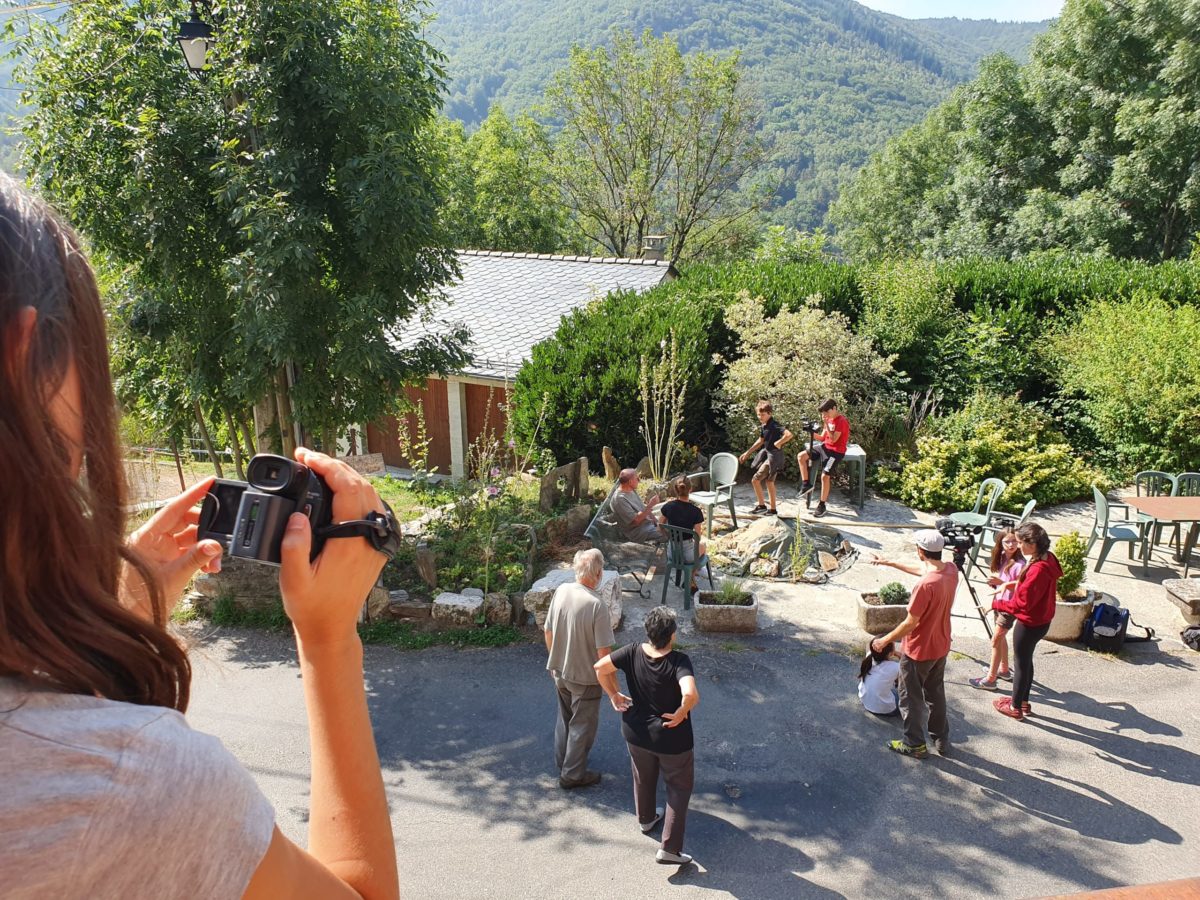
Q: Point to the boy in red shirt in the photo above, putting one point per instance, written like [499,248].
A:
[834,438]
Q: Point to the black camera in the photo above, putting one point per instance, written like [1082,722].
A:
[959,538]
[809,426]
[248,519]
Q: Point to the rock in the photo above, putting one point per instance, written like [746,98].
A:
[765,568]
[410,609]
[472,592]
[206,585]
[612,467]
[570,480]
[828,561]
[517,602]
[578,518]
[377,602]
[251,585]
[497,609]
[537,598]
[556,530]
[456,610]
[643,468]
[426,563]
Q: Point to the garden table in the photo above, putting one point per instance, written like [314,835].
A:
[1182,510]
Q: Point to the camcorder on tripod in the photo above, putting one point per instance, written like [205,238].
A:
[960,540]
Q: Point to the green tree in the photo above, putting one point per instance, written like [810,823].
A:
[653,141]
[276,219]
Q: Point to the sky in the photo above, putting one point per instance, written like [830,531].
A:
[1001,10]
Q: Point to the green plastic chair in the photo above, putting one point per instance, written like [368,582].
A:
[991,489]
[722,475]
[677,561]
[1103,530]
[998,522]
[1154,484]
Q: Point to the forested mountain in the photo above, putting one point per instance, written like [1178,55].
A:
[835,79]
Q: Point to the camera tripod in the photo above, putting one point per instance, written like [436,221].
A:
[813,470]
[960,563]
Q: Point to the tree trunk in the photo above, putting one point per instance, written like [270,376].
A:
[283,413]
[248,437]
[178,464]
[207,438]
[265,425]
[236,444]
[329,441]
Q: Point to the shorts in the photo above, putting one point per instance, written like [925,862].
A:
[1004,620]
[768,464]
[825,458]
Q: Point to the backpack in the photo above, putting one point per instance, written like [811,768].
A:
[1106,629]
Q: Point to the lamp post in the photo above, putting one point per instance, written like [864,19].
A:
[195,37]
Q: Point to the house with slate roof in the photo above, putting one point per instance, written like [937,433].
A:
[509,302]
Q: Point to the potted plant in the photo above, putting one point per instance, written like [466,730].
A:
[1074,603]
[730,608]
[880,612]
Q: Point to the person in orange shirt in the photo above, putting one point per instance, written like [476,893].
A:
[926,634]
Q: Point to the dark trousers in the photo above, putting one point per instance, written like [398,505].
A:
[923,697]
[678,775]
[1024,639]
[575,729]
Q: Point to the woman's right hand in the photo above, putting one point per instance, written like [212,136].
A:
[323,597]
[993,581]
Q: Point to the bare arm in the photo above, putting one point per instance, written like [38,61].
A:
[549,636]
[787,436]
[351,849]
[910,622]
[606,674]
[691,696]
[753,447]
[903,567]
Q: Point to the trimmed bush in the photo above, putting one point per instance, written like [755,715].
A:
[588,373]
[1134,364]
[893,594]
[991,437]
[1072,559]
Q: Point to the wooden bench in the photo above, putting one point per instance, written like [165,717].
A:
[627,557]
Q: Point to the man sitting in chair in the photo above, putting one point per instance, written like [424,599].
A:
[635,519]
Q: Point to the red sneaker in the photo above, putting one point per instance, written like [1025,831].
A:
[1005,708]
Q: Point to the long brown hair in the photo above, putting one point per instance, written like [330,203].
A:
[62,536]
[1036,535]
[999,557]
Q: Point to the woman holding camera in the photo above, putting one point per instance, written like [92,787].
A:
[107,791]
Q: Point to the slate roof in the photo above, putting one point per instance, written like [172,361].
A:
[511,301]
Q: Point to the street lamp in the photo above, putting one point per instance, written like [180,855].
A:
[195,37]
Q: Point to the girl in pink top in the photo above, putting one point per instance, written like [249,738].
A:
[1007,563]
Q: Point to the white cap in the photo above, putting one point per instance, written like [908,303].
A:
[929,540]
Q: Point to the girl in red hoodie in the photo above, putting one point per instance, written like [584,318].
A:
[1032,604]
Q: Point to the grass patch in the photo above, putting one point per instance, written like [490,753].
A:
[409,502]
[404,637]
[958,657]
[183,613]
[226,611]
[732,646]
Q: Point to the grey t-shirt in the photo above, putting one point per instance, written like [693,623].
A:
[626,506]
[101,799]
[579,625]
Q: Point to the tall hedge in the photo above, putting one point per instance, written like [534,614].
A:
[586,376]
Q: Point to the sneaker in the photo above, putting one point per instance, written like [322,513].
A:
[673,859]
[982,683]
[820,510]
[648,827]
[760,508]
[772,511]
[918,752]
[589,778]
[1005,708]
[1005,676]
[1026,709]
[942,748]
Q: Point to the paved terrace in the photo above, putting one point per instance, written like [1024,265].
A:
[795,794]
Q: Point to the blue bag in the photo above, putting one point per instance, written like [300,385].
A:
[1107,629]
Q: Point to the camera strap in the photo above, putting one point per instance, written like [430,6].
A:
[380,528]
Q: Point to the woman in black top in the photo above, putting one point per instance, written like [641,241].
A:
[683,513]
[656,725]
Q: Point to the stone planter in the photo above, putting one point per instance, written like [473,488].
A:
[725,617]
[1070,614]
[879,618]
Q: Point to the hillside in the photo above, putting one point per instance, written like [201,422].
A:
[836,79]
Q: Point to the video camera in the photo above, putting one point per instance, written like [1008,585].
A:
[248,518]
[811,427]
[959,538]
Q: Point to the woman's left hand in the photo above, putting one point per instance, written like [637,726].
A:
[168,546]
[675,719]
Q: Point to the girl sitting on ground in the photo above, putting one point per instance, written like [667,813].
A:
[1006,566]
[877,678]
